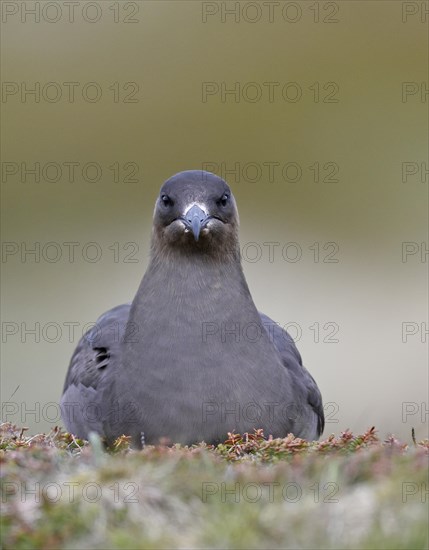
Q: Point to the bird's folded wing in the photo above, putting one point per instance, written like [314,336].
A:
[90,374]
[291,359]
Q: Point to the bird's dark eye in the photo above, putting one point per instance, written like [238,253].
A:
[166,201]
[224,200]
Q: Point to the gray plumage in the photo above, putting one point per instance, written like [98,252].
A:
[191,358]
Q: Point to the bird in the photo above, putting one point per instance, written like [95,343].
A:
[190,359]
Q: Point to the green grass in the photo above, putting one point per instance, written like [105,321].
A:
[345,492]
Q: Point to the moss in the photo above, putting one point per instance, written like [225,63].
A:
[347,491]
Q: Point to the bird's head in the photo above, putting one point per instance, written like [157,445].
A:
[196,212]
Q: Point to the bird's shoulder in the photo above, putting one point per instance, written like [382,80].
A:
[98,348]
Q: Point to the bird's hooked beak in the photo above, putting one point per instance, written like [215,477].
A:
[195,219]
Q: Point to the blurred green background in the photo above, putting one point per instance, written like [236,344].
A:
[360,321]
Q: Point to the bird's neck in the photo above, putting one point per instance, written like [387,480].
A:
[197,287]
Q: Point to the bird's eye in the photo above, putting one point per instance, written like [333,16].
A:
[166,201]
[224,199]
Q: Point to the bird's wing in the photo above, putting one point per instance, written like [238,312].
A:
[88,398]
[305,384]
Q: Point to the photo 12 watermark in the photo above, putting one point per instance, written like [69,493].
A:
[270,491]
[126,492]
[253,332]
[52,332]
[71,252]
[274,171]
[232,413]
[69,92]
[270,12]
[71,11]
[90,412]
[69,171]
[270,92]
